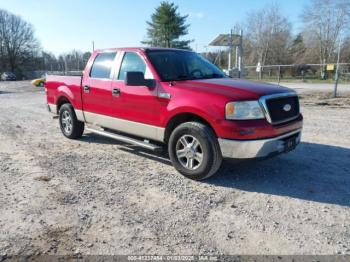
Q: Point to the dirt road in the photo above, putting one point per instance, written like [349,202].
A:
[305,87]
[98,196]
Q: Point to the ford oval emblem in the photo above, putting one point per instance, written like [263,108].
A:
[287,107]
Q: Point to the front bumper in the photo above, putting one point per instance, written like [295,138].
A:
[245,149]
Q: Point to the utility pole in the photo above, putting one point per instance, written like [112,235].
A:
[229,41]
[236,58]
[279,74]
[206,51]
[337,72]
[230,52]
[240,58]
[65,65]
[93,45]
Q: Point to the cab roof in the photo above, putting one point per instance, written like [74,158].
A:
[143,49]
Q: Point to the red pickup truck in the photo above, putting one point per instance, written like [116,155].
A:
[151,97]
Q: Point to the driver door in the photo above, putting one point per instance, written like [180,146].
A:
[139,106]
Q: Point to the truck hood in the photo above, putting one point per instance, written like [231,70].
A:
[235,88]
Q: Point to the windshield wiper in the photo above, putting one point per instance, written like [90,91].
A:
[183,77]
[187,77]
[214,75]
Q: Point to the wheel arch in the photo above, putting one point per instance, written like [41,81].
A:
[61,100]
[181,118]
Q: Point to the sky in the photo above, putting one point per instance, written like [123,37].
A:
[63,25]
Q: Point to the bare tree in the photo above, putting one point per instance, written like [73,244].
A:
[49,62]
[325,21]
[345,50]
[20,50]
[73,61]
[2,41]
[18,44]
[268,35]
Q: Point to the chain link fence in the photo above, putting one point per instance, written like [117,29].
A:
[66,73]
[303,73]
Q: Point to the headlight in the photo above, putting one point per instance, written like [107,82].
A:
[243,110]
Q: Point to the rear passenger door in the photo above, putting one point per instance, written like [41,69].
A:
[97,89]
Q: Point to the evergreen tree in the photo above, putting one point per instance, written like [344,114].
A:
[298,49]
[166,27]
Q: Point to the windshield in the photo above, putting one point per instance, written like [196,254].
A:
[176,65]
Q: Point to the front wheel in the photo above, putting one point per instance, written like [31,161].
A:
[70,126]
[194,150]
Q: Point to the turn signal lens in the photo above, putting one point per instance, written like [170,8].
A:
[230,109]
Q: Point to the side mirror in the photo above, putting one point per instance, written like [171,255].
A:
[138,79]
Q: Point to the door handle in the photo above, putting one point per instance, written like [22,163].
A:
[116,92]
[86,89]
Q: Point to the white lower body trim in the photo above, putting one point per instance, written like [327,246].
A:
[130,127]
[80,115]
[52,108]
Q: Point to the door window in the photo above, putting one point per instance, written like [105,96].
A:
[132,62]
[102,65]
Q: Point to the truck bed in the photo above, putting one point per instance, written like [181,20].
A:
[57,85]
[66,73]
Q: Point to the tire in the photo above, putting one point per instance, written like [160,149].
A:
[70,126]
[183,146]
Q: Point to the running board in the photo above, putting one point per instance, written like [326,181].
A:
[125,139]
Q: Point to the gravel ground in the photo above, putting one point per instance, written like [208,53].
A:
[98,196]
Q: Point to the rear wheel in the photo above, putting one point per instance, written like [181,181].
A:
[194,150]
[70,126]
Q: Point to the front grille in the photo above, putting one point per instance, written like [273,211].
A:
[282,109]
